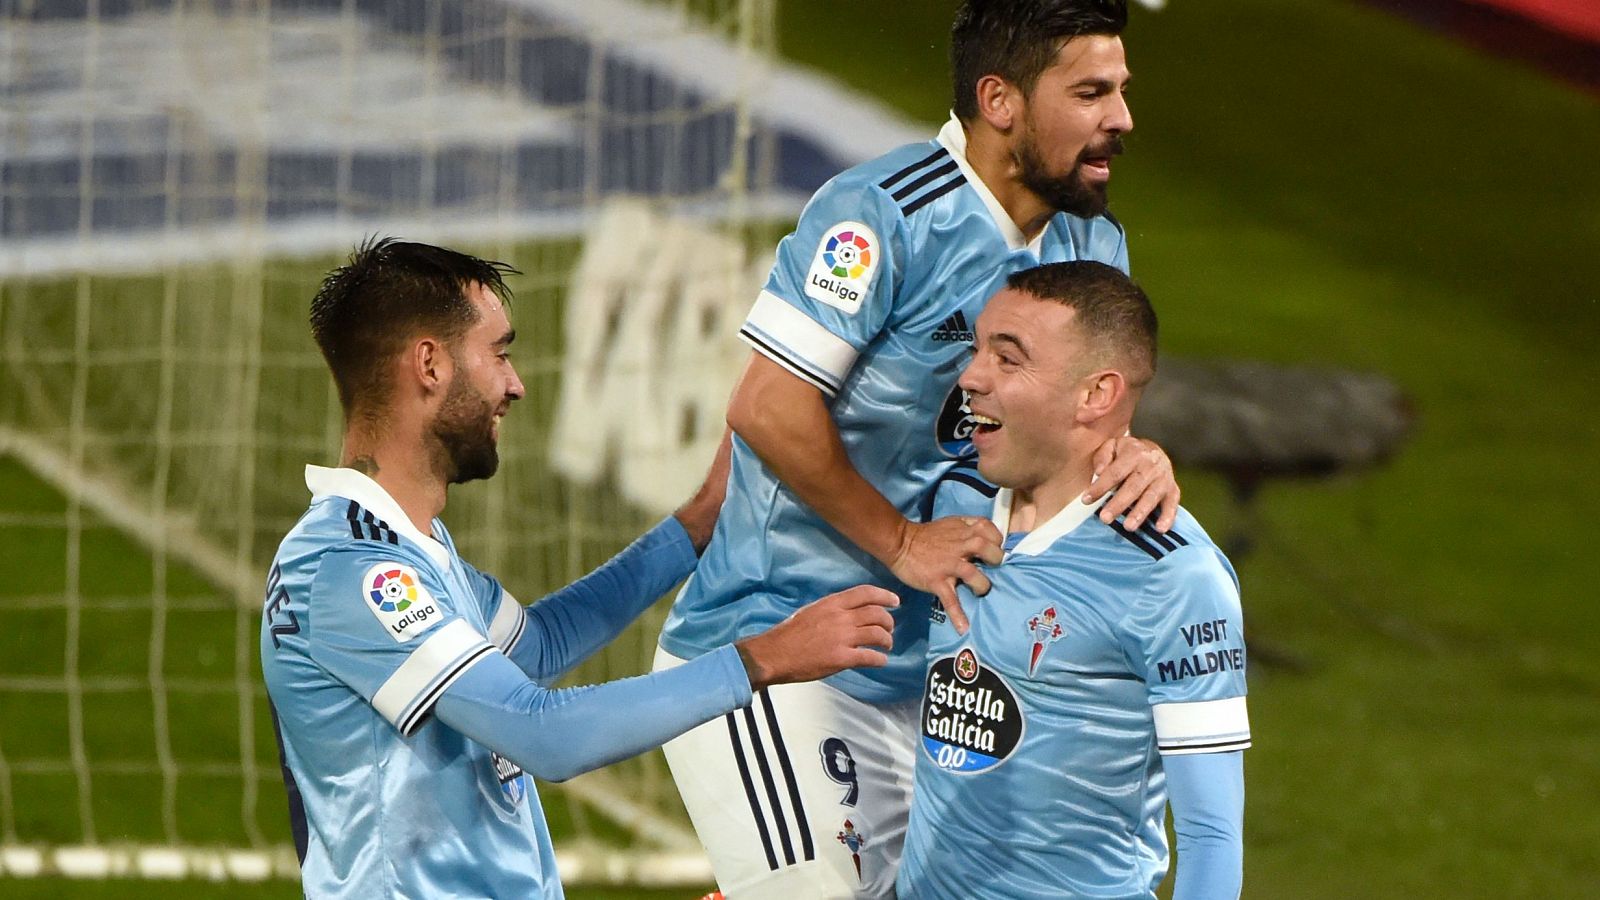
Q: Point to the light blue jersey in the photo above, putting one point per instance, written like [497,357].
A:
[872,300]
[1097,651]
[394,667]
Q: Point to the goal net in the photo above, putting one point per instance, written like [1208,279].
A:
[175,176]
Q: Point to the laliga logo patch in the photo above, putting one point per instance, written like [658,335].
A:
[395,594]
[842,271]
[970,718]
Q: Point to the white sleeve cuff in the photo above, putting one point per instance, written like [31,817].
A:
[508,622]
[798,342]
[411,691]
[1206,726]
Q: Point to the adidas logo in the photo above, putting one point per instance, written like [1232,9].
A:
[953,330]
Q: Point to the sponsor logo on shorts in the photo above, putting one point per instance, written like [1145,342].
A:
[854,841]
[971,721]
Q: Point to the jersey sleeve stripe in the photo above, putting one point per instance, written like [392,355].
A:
[933,175]
[509,620]
[1213,747]
[419,710]
[1136,540]
[933,195]
[892,179]
[406,693]
[795,340]
[1202,726]
[777,355]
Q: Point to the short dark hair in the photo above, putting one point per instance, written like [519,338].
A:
[385,294]
[1019,39]
[1113,312]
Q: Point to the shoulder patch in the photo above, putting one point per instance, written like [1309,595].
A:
[841,273]
[396,596]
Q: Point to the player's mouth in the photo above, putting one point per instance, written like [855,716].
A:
[1096,161]
[984,427]
[1097,167]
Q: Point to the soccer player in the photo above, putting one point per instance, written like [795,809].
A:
[408,687]
[1103,674]
[848,413]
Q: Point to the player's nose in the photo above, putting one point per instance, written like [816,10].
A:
[1119,120]
[972,377]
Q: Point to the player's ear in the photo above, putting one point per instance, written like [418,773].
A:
[1103,392]
[430,365]
[998,102]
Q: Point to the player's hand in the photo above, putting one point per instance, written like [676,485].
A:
[826,636]
[937,556]
[1141,474]
[699,516]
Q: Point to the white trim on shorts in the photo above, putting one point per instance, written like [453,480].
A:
[770,787]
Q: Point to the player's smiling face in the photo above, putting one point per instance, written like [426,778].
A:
[481,391]
[1072,125]
[1023,386]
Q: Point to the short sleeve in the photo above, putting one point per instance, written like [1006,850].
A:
[505,614]
[833,285]
[383,625]
[1185,636]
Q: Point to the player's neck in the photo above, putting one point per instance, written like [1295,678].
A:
[405,474]
[991,157]
[1037,504]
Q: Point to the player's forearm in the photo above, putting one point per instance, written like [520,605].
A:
[567,627]
[557,734]
[1207,795]
[793,433]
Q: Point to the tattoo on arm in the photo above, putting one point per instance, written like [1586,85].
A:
[366,465]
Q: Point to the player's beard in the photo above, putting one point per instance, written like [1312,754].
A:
[464,428]
[1069,193]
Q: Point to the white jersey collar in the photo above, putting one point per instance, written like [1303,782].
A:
[953,137]
[1041,537]
[352,485]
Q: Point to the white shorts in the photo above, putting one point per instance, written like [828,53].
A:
[802,795]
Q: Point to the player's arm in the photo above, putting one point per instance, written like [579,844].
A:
[562,630]
[1206,791]
[807,328]
[786,421]
[1185,635]
[556,734]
